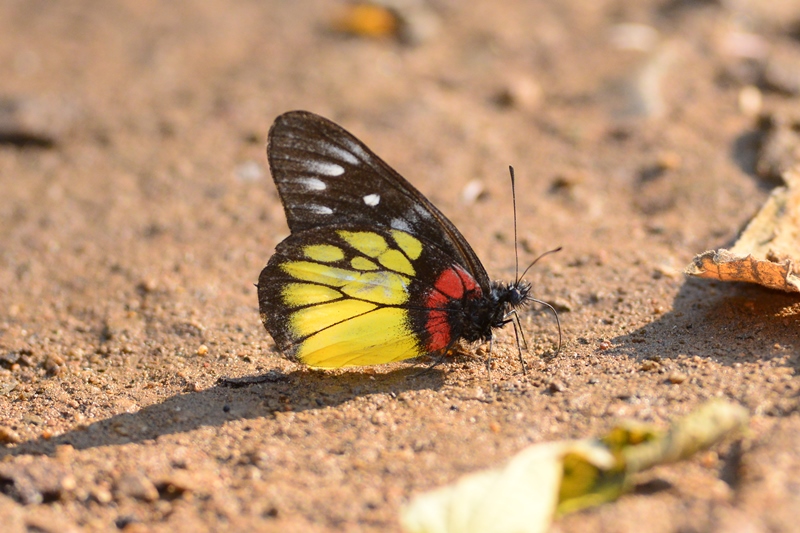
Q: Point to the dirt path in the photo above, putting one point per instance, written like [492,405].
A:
[137,210]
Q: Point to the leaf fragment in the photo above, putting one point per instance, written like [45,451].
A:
[768,251]
[551,479]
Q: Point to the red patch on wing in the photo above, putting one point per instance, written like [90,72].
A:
[449,284]
[452,284]
[438,330]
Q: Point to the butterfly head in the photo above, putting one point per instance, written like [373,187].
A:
[505,297]
[518,293]
[508,296]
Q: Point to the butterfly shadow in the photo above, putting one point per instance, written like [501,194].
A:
[729,322]
[235,399]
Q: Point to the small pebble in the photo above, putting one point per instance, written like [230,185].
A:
[709,459]
[379,418]
[33,122]
[249,171]
[632,36]
[676,378]
[101,495]
[9,436]
[745,45]
[522,92]
[148,285]
[68,484]
[180,483]
[750,101]
[135,485]
[781,71]
[472,191]
[8,384]
[669,160]
[367,20]
[65,452]
[780,145]
[649,365]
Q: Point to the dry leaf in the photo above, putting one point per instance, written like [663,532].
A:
[768,251]
[520,497]
[550,479]
[409,22]
[365,19]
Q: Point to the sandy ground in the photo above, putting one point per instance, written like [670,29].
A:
[137,210]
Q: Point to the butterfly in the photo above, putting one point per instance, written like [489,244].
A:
[372,271]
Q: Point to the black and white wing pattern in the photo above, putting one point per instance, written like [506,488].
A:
[325,176]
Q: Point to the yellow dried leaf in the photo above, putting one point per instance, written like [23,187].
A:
[551,479]
[367,20]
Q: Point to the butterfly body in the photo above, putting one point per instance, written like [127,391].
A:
[372,272]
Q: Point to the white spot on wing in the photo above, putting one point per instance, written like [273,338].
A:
[402,225]
[325,168]
[340,153]
[318,209]
[344,275]
[312,184]
[356,150]
[420,209]
[372,199]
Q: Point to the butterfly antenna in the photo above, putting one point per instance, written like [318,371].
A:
[558,322]
[518,277]
[514,204]
[554,250]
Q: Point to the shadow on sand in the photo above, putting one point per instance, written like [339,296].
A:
[729,322]
[235,399]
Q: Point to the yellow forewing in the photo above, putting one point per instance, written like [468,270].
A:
[380,336]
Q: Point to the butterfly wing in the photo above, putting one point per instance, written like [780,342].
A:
[355,295]
[327,177]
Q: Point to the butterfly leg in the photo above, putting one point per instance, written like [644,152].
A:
[489,364]
[513,317]
[518,333]
[438,359]
[436,362]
